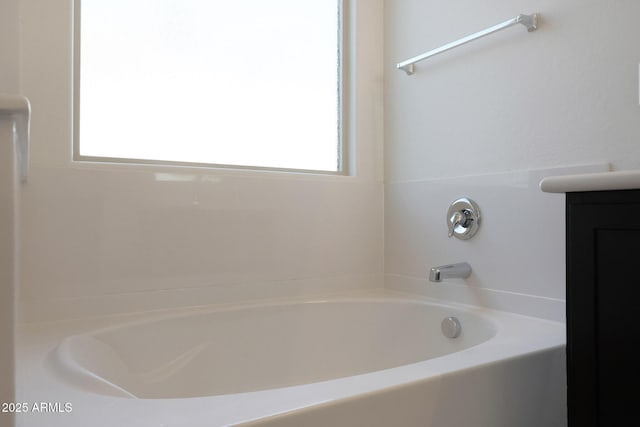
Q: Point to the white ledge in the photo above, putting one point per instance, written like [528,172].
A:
[620,180]
[18,108]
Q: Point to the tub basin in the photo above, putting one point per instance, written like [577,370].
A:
[374,360]
[262,347]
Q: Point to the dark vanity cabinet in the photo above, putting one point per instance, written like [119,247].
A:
[603,308]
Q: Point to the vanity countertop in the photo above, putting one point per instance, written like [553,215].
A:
[602,181]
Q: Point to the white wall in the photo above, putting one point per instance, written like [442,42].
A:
[9,46]
[564,94]
[113,238]
[474,120]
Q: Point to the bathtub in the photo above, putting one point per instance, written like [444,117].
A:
[378,359]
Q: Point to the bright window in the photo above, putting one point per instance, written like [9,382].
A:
[248,83]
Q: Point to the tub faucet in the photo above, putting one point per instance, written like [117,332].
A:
[461,270]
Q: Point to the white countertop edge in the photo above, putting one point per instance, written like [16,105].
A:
[619,180]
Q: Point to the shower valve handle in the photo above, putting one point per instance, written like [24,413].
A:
[463,218]
[459,218]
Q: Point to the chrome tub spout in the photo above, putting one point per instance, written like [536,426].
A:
[461,270]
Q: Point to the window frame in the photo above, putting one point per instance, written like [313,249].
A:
[344,146]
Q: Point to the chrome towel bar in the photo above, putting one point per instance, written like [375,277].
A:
[529,21]
[18,109]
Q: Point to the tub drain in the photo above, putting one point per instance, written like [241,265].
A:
[451,327]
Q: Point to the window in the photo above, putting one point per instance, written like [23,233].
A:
[248,83]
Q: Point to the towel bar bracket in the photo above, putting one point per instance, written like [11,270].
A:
[529,21]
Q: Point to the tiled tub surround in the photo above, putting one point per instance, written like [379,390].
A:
[99,240]
[503,370]
[477,112]
[517,256]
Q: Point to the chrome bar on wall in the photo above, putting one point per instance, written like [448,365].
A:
[529,21]
[18,108]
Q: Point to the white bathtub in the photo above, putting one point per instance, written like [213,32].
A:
[375,360]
